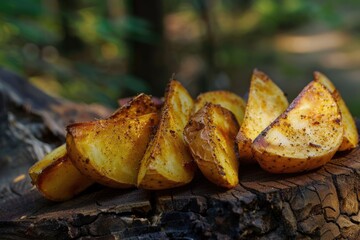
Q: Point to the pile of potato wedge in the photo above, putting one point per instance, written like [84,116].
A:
[157,145]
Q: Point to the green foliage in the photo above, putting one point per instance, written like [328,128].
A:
[33,39]
[32,44]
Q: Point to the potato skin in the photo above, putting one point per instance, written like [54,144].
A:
[137,106]
[351,136]
[56,177]
[157,102]
[109,151]
[210,135]
[304,137]
[226,99]
[167,162]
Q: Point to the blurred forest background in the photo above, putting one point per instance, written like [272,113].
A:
[100,51]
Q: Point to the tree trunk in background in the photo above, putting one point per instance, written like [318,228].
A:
[208,45]
[70,43]
[146,58]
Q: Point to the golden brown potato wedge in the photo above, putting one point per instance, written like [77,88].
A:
[305,136]
[137,106]
[158,102]
[265,103]
[226,99]
[167,162]
[109,151]
[56,177]
[210,135]
[351,137]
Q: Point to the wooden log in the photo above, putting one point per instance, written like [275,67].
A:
[321,204]
[31,124]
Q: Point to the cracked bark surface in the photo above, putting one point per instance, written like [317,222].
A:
[321,204]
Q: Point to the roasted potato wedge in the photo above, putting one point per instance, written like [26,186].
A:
[305,136]
[56,177]
[137,106]
[265,103]
[351,137]
[226,99]
[158,102]
[210,135]
[167,162]
[109,151]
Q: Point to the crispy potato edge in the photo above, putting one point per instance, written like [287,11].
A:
[263,157]
[199,136]
[150,178]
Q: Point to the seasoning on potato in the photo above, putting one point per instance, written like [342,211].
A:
[109,151]
[265,103]
[56,177]
[167,162]
[210,135]
[305,136]
[351,136]
[226,99]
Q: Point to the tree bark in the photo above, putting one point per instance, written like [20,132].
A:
[31,124]
[321,204]
[146,58]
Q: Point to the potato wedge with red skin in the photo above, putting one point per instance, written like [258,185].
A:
[226,99]
[109,151]
[57,178]
[167,162]
[210,135]
[265,103]
[351,136]
[305,136]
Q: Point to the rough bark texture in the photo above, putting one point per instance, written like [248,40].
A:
[322,204]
